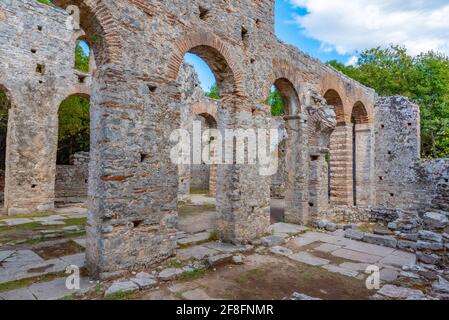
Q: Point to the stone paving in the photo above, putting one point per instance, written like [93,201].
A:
[331,252]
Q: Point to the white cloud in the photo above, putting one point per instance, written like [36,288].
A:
[350,25]
[352,61]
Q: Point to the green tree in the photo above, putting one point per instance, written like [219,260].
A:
[275,101]
[74,127]
[81,57]
[424,79]
[214,92]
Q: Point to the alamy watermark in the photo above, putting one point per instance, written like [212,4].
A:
[229,146]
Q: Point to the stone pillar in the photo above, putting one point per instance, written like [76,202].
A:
[341,166]
[318,184]
[297,159]
[31,152]
[364,164]
[133,182]
[243,195]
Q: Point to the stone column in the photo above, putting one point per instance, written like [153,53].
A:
[364,164]
[297,159]
[318,184]
[243,195]
[341,166]
[133,182]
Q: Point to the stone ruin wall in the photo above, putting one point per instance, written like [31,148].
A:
[403,179]
[135,102]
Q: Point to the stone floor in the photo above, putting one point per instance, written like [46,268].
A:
[319,264]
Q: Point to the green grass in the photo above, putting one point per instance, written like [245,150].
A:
[175,264]
[193,275]
[120,296]
[199,191]
[195,209]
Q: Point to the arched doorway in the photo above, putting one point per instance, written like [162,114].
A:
[284,103]
[361,154]
[340,155]
[199,210]
[72,164]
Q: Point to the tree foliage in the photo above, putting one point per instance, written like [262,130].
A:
[275,101]
[74,128]
[81,57]
[424,79]
[214,92]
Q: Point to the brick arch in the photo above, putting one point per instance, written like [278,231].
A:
[207,110]
[216,53]
[288,81]
[359,114]
[95,12]
[334,99]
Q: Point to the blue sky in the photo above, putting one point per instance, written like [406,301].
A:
[287,30]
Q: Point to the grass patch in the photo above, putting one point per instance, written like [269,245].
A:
[176,264]
[199,191]
[120,296]
[187,210]
[193,275]
[367,227]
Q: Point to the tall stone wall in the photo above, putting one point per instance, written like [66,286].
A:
[403,179]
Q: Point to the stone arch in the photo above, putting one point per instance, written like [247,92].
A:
[287,79]
[216,54]
[340,188]
[333,98]
[362,166]
[359,114]
[101,28]
[209,112]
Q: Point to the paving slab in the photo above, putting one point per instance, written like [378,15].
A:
[327,238]
[196,252]
[356,256]
[17,221]
[82,242]
[49,219]
[327,247]
[345,272]
[396,292]
[399,260]
[56,289]
[228,247]
[369,248]
[75,260]
[301,241]
[388,275]
[287,228]
[199,237]
[122,286]
[361,267]
[309,259]
[281,251]
[22,294]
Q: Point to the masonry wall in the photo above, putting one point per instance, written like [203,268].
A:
[403,179]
